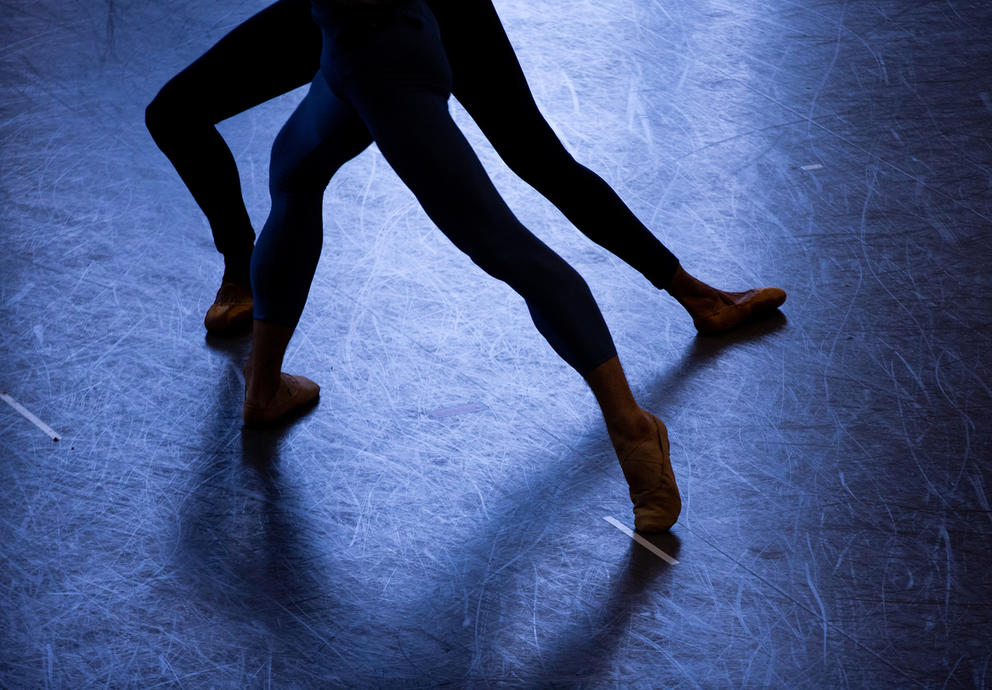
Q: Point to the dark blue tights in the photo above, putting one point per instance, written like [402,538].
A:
[389,83]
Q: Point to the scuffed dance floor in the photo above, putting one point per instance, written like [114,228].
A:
[447,516]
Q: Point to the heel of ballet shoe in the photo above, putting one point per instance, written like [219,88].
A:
[231,311]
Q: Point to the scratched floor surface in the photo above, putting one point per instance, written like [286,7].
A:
[439,519]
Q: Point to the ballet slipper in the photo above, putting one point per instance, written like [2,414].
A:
[740,307]
[231,311]
[647,467]
[293,393]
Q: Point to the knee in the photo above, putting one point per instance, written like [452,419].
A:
[155,117]
[169,114]
[495,256]
[529,264]
[296,169]
[284,167]
[160,114]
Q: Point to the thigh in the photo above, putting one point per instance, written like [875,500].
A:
[272,53]
[415,133]
[401,93]
[488,79]
[322,134]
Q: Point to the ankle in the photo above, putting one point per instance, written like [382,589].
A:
[260,395]
[238,276]
[260,387]
[630,428]
[685,287]
[695,296]
[262,372]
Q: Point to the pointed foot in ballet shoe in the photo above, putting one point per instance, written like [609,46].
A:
[647,467]
[741,307]
[294,394]
[231,312]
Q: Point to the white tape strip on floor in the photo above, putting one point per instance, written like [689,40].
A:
[641,540]
[30,417]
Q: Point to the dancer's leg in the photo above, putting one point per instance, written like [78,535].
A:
[489,82]
[275,51]
[322,134]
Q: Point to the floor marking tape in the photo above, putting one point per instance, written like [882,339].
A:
[30,417]
[812,166]
[641,540]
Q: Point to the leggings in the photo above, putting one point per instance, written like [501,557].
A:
[278,50]
[390,84]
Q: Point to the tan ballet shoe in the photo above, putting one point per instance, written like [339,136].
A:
[741,307]
[294,392]
[647,467]
[231,311]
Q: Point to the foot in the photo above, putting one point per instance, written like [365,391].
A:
[647,467]
[730,309]
[231,311]
[291,393]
